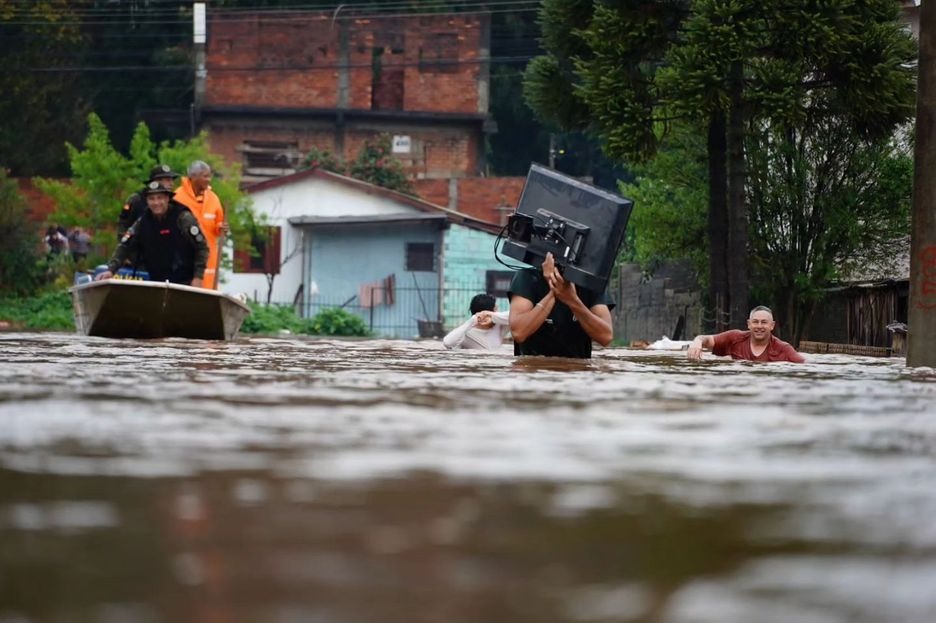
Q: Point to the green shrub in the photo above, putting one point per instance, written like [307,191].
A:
[376,164]
[321,159]
[275,318]
[335,321]
[272,319]
[47,312]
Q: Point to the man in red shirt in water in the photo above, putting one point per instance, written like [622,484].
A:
[755,344]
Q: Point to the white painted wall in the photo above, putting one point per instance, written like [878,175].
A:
[307,196]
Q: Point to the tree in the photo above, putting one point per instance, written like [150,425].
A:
[103,178]
[670,196]
[826,202]
[19,262]
[41,104]
[64,58]
[520,138]
[625,71]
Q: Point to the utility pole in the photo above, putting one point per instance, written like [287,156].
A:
[198,40]
[921,344]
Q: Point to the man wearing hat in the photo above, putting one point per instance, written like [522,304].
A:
[135,206]
[166,241]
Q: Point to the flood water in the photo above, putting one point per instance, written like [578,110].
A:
[291,480]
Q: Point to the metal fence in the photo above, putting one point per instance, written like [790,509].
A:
[412,312]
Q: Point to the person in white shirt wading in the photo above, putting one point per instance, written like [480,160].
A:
[484,330]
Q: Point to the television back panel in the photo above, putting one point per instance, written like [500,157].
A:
[547,194]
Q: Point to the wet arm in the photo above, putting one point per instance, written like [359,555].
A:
[526,317]
[700,343]
[594,320]
[501,317]
[127,249]
[456,336]
[795,356]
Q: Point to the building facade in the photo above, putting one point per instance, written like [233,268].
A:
[276,84]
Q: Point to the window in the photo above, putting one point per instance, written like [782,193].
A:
[266,256]
[498,282]
[270,158]
[420,256]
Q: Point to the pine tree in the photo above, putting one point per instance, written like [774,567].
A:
[625,70]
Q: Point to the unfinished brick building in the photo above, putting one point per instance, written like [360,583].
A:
[278,83]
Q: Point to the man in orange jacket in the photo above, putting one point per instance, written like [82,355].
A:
[195,193]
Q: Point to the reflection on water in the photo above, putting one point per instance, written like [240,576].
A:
[346,481]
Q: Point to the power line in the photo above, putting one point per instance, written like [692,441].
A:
[326,67]
[513,59]
[279,14]
[441,6]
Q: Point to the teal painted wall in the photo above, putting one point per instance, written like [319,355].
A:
[467,256]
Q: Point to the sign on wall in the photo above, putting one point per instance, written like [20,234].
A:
[401,144]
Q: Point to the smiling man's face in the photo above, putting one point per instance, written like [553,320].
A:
[200,181]
[761,325]
[158,204]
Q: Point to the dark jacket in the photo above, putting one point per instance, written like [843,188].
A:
[172,249]
[132,210]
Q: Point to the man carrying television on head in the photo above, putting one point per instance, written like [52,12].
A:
[550,317]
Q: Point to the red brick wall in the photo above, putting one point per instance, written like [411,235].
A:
[274,61]
[446,87]
[435,154]
[292,61]
[480,197]
[226,140]
[360,58]
[433,191]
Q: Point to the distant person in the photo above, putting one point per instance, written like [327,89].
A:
[756,344]
[196,194]
[166,242]
[79,242]
[550,316]
[484,330]
[55,241]
[136,206]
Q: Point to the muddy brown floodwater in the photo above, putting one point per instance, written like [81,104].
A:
[288,480]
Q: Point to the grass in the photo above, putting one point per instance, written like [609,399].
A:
[51,311]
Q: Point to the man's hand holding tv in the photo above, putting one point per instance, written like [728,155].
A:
[563,290]
[595,321]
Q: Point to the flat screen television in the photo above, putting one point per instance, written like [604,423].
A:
[582,225]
